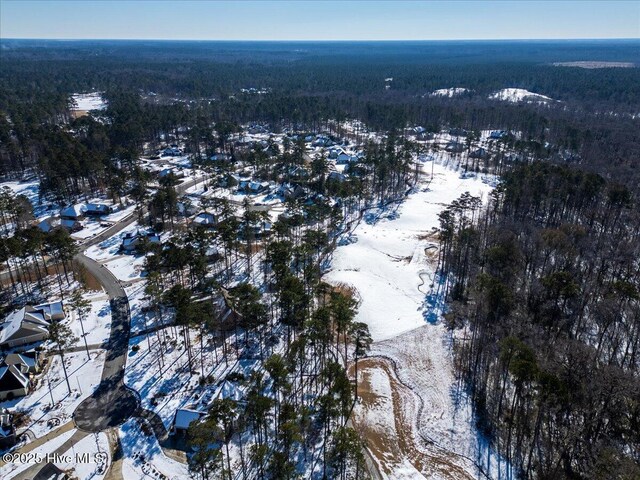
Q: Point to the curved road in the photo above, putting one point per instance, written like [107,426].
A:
[113,402]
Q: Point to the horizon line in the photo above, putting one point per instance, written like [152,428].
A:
[324,40]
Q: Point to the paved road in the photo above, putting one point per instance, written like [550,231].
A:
[112,403]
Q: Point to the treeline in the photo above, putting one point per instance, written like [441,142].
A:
[545,284]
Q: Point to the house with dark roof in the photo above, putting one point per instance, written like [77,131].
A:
[204,220]
[7,430]
[48,224]
[13,383]
[97,209]
[454,147]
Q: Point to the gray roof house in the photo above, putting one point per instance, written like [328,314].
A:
[27,325]
[73,212]
[27,362]
[205,220]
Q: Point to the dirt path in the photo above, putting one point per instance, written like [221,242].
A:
[398,442]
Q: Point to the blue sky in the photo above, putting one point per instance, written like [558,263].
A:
[319,20]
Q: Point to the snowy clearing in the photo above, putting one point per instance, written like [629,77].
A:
[516,95]
[143,456]
[85,102]
[449,92]
[409,413]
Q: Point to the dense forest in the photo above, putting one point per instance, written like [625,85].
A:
[545,284]
[167,85]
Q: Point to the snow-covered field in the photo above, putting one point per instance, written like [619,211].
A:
[96,467]
[97,324]
[387,262]
[516,95]
[31,190]
[408,381]
[88,101]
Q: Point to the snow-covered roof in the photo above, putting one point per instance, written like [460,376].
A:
[53,309]
[205,218]
[32,320]
[73,211]
[184,417]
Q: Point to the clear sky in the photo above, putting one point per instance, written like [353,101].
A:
[318,20]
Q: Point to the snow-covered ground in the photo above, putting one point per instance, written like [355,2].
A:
[516,95]
[95,467]
[97,324]
[88,101]
[387,261]
[84,377]
[390,261]
[12,469]
[143,457]
[31,190]
[449,92]
[125,267]
[165,384]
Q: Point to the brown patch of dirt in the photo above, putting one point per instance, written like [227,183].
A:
[85,277]
[392,448]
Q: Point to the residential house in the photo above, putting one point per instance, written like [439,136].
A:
[27,362]
[73,212]
[171,170]
[204,220]
[97,209]
[183,418]
[48,224]
[298,171]
[13,383]
[458,132]
[133,241]
[70,217]
[454,147]
[24,326]
[252,187]
[171,152]
[334,152]
[344,158]
[288,191]
[53,311]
